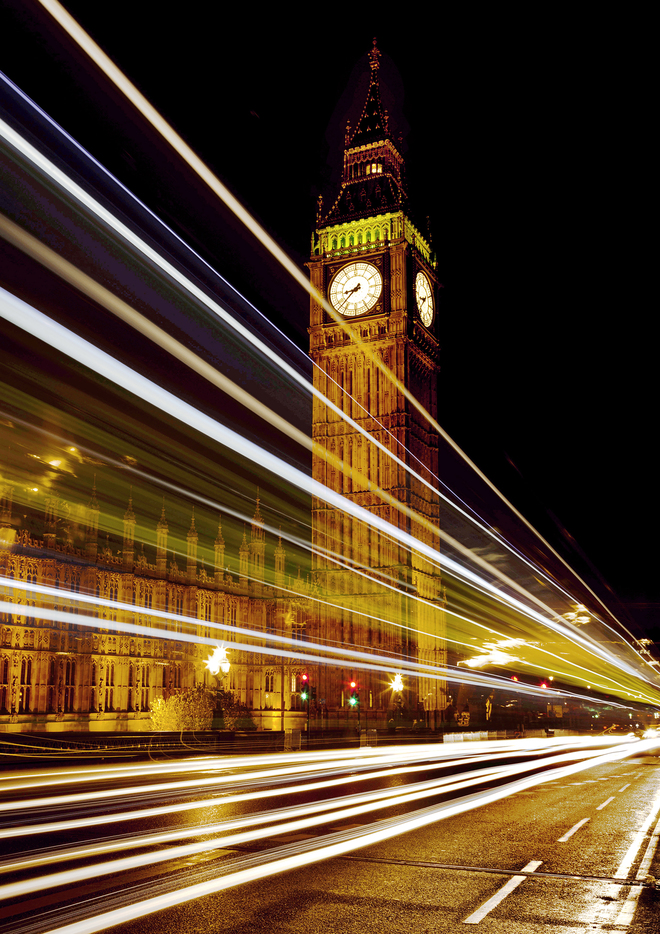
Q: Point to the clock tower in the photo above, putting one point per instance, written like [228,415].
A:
[375,268]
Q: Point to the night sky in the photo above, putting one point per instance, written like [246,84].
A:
[527,143]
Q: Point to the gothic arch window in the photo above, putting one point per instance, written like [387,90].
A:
[342,243]
[351,241]
[359,239]
[298,625]
[368,236]
[69,685]
[334,243]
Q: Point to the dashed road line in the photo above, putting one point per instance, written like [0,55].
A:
[574,829]
[499,896]
[627,911]
[604,804]
[624,787]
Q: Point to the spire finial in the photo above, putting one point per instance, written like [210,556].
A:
[374,55]
[162,522]
[129,515]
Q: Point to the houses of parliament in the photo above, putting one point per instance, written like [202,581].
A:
[373,313]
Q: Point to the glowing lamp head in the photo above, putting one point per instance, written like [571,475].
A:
[397,683]
[218,662]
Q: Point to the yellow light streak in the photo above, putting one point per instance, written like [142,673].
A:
[139,101]
[350,840]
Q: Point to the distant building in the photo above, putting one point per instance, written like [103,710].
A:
[64,675]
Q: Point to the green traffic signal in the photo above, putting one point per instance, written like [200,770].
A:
[304,695]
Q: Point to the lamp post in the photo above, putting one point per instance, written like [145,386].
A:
[218,665]
[397,688]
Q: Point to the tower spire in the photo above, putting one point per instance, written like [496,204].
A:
[372,125]
[373,180]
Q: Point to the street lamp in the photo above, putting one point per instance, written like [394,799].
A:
[397,688]
[218,662]
[218,665]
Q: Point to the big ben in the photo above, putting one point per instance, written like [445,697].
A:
[375,349]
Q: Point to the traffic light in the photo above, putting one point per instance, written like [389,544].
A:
[304,688]
[354,699]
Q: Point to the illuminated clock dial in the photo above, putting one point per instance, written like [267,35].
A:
[424,298]
[356,288]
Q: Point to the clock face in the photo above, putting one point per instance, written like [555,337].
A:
[356,288]
[424,298]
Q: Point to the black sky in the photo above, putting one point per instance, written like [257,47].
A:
[527,143]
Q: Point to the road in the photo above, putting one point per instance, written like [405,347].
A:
[520,836]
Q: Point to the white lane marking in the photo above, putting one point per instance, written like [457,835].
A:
[604,804]
[574,829]
[624,787]
[508,887]
[602,913]
[627,912]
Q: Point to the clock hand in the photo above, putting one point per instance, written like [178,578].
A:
[354,289]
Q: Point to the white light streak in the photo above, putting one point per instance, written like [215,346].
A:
[324,849]
[100,59]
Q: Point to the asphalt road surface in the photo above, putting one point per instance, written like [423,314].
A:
[517,837]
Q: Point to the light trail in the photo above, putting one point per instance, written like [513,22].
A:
[367,765]
[149,112]
[335,805]
[80,280]
[57,264]
[332,655]
[301,818]
[314,850]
